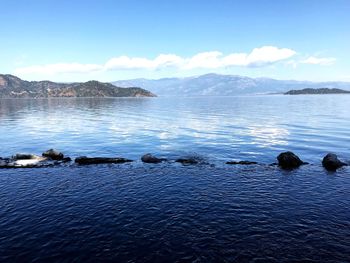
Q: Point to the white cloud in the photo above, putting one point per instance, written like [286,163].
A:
[319,61]
[268,55]
[258,57]
[124,62]
[208,60]
[236,59]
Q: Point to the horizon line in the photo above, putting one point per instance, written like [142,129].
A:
[187,77]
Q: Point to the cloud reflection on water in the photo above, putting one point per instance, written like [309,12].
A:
[225,127]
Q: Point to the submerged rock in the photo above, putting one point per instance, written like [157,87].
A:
[83,160]
[289,160]
[241,162]
[192,159]
[53,154]
[186,161]
[331,162]
[149,158]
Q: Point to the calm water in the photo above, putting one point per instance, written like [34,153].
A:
[254,128]
[169,212]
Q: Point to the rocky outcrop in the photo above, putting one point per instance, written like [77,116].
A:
[83,160]
[53,154]
[149,158]
[24,160]
[331,162]
[13,87]
[51,157]
[289,160]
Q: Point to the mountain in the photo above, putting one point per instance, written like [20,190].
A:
[317,91]
[223,85]
[14,87]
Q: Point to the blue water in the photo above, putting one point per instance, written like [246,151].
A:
[221,128]
[172,213]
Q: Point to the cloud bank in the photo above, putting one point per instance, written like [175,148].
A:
[258,57]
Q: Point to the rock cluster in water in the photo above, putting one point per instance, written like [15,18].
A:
[49,158]
[286,160]
[53,154]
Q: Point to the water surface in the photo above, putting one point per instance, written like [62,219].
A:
[172,213]
[220,128]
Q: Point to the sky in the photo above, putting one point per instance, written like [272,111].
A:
[109,40]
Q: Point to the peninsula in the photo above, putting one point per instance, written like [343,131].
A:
[317,91]
[14,87]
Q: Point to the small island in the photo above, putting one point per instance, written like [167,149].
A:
[317,91]
[14,87]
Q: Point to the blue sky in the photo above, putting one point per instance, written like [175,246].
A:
[111,40]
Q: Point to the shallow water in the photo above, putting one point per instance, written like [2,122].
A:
[173,213]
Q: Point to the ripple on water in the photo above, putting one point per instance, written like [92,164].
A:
[259,126]
[174,213]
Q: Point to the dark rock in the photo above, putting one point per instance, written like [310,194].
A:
[25,156]
[149,158]
[331,162]
[66,159]
[242,162]
[186,161]
[289,160]
[53,154]
[83,160]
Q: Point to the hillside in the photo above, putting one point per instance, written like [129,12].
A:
[317,91]
[224,85]
[14,87]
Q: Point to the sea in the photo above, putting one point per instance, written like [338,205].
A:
[168,212]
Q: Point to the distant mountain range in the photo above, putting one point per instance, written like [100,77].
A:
[204,85]
[224,85]
[317,91]
[14,87]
